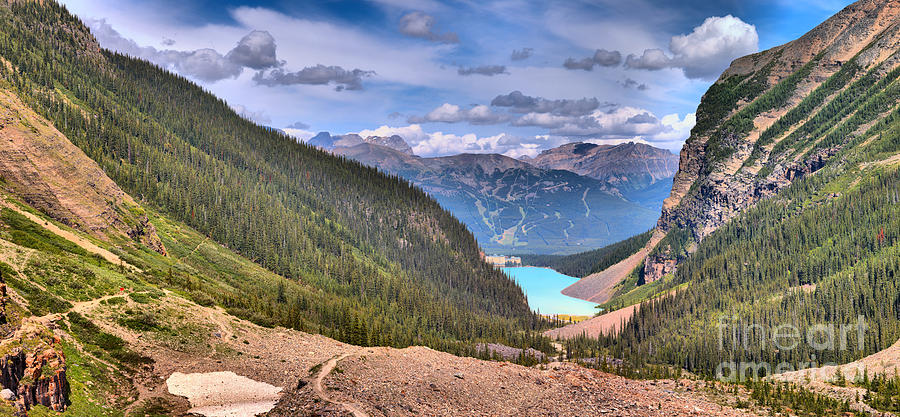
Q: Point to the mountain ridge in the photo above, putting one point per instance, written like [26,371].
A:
[520,207]
[630,165]
[514,206]
[752,137]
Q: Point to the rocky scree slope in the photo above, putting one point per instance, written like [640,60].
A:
[50,173]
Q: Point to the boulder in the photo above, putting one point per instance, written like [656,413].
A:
[8,395]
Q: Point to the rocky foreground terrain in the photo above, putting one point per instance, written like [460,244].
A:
[421,382]
[316,375]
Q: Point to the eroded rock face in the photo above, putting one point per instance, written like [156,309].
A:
[657,267]
[34,368]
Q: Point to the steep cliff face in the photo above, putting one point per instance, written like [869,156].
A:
[777,116]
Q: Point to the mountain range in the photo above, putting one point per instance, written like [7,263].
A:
[568,199]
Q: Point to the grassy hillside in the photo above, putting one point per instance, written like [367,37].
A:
[368,258]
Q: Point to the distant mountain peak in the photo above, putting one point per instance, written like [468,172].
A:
[394,142]
[630,165]
[328,142]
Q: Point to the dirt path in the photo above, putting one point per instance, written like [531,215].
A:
[191,253]
[72,237]
[319,389]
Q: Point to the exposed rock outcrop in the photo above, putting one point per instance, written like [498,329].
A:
[725,167]
[33,367]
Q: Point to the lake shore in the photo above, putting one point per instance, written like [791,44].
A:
[543,286]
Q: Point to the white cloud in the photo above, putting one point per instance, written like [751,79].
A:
[545,120]
[300,134]
[421,25]
[705,52]
[623,123]
[451,113]
[440,143]
[258,117]
[711,47]
[526,149]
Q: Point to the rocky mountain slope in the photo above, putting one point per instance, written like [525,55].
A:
[780,115]
[785,212]
[776,117]
[628,166]
[511,205]
[52,174]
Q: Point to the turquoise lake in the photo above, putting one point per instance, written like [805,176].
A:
[543,286]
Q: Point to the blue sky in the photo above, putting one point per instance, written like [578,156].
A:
[451,76]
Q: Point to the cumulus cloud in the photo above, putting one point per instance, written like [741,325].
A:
[257,117]
[318,75]
[549,121]
[488,70]
[705,52]
[421,25]
[520,103]
[440,143]
[451,113]
[521,54]
[601,57]
[628,123]
[256,50]
[300,134]
[643,118]
[651,59]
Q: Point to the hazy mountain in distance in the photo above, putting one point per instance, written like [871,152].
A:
[513,206]
[628,166]
[326,141]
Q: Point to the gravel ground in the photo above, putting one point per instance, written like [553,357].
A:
[422,382]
